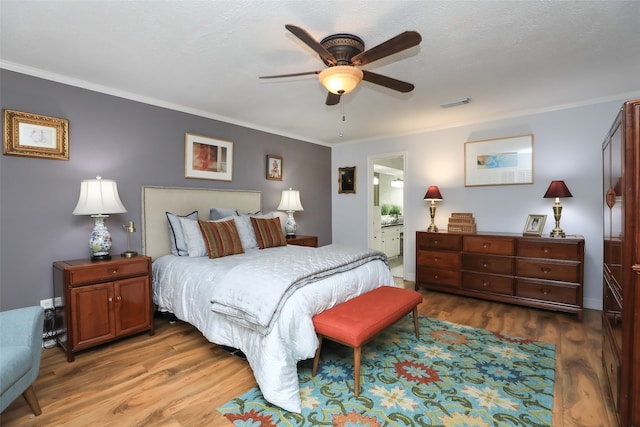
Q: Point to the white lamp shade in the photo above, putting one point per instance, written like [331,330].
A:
[340,79]
[290,201]
[98,196]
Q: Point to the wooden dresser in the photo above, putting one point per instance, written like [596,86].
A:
[99,301]
[621,267]
[538,272]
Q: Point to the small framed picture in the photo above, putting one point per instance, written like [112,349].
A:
[534,225]
[347,180]
[274,167]
[33,135]
[208,158]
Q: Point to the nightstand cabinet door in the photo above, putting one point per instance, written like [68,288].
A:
[92,319]
[133,305]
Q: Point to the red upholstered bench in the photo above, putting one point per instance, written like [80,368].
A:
[356,321]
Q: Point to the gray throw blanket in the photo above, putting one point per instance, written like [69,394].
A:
[253,293]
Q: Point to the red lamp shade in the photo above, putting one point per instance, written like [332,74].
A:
[433,193]
[557,189]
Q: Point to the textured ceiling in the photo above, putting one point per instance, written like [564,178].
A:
[205,57]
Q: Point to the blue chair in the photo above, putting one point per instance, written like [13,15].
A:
[20,352]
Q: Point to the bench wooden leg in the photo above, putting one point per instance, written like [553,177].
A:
[415,321]
[30,396]
[357,351]
[316,359]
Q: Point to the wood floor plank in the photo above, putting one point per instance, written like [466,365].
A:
[176,378]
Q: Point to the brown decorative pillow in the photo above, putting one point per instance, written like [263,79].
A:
[221,238]
[268,232]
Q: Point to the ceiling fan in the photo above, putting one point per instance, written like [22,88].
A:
[343,53]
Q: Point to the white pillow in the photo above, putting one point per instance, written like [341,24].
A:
[193,236]
[176,236]
[245,230]
[216,214]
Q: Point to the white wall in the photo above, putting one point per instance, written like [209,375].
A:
[567,146]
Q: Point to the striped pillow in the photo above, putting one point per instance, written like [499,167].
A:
[268,232]
[221,238]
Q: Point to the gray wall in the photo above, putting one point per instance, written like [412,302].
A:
[567,145]
[135,144]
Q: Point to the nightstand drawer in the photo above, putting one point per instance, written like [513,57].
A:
[99,272]
[311,241]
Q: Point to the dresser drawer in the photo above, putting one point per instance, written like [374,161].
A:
[488,283]
[611,367]
[487,263]
[108,271]
[439,277]
[549,270]
[488,245]
[439,259]
[562,293]
[549,249]
[449,242]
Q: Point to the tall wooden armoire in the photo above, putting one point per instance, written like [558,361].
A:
[621,270]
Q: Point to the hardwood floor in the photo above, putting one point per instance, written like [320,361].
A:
[177,378]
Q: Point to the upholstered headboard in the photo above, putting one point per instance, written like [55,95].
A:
[156,201]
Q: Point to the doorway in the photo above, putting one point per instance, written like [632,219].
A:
[386,209]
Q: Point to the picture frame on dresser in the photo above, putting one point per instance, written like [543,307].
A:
[534,225]
[502,161]
[208,158]
[35,135]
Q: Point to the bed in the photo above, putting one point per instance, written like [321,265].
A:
[228,309]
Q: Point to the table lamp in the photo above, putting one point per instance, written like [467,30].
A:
[557,189]
[290,202]
[99,198]
[433,194]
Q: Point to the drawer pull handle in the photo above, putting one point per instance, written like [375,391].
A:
[545,270]
[435,276]
[546,250]
[546,292]
[435,242]
[486,245]
[110,299]
[436,259]
[485,283]
[485,265]
[114,271]
[119,298]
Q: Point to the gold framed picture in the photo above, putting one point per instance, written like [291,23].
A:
[347,180]
[274,167]
[534,225]
[34,135]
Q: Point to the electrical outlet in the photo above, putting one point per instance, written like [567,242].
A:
[46,303]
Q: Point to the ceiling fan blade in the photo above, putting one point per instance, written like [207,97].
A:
[394,45]
[305,73]
[389,82]
[332,99]
[326,56]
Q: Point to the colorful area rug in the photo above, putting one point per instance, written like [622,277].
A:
[454,375]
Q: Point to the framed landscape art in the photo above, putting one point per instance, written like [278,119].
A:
[500,161]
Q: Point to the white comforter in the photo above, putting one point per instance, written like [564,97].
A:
[186,286]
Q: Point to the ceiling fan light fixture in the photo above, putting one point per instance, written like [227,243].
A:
[340,79]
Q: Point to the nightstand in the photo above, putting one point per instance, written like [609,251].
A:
[100,301]
[301,240]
